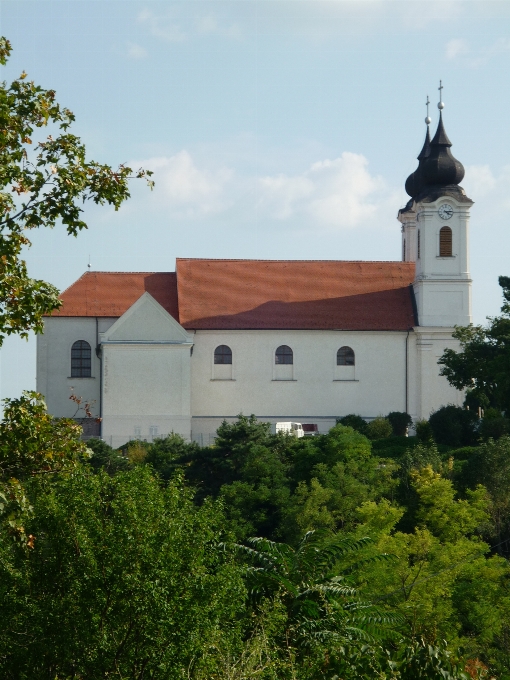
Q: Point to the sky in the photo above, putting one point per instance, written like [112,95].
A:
[281,129]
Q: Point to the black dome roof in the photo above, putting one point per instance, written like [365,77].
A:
[414,183]
[438,172]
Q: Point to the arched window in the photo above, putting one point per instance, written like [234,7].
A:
[223,355]
[445,242]
[345,357]
[284,355]
[81,362]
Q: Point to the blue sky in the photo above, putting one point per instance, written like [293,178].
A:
[276,129]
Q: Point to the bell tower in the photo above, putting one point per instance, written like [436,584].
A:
[435,226]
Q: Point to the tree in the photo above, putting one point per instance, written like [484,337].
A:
[41,184]
[483,364]
[454,426]
[125,580]
[323,612]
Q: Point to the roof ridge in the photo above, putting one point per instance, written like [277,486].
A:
[245,259]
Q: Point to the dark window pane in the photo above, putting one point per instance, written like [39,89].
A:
[81,360]
[284,355]
[223,355]
[345,357]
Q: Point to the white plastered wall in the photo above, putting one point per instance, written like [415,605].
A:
[316,391]
[146,375]
[443,285]
[54,363]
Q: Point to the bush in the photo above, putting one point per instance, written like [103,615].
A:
[379,428]
[356,422]
[399,422]
[106,458]
[393,447]
[494,425]
[454,426]
[423,431]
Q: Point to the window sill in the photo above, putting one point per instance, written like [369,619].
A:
[345,380]
[81,377]
[222,380]
[283,380]
[446,257]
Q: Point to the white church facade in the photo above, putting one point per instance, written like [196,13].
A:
[307,341]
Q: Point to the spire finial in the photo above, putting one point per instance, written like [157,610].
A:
[440,105]
[428,119]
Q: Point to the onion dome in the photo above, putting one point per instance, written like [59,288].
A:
[415,182]
[441,169]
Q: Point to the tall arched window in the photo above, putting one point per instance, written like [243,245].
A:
[284,355]
[81,361]
[419,249]
[345,356]
[445,242]
[223,355]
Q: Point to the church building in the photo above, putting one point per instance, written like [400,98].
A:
[285,340]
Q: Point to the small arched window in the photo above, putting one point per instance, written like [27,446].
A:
[223,355]
[81,360]
[345,357]
[445,242]
[284,355]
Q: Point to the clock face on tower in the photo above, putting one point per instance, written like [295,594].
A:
[445,211]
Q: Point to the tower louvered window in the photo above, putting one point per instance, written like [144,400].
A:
[445,242]
[419,244]
[81,360]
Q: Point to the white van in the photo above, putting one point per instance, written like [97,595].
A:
[294,429]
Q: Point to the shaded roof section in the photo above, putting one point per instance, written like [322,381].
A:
[277,294]
[113,293]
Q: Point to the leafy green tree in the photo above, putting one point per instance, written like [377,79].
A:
[356,422]
[32,445]
[41,184]
[166,453]
[454,426]
[379,428]
[103,457]
[125,580]
[399,422]
[483,364]
[323,610]
[489,465]
[444,582]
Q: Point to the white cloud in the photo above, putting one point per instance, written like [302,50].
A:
[456,47]
[339,193]
[184,189]
[330,195]
[162,26]
[208,25]
[136,51]
[491,191]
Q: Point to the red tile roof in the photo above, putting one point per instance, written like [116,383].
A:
[113,293]
[258,294]
[295,294]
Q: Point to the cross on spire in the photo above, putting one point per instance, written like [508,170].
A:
[440,88]
[428,119]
